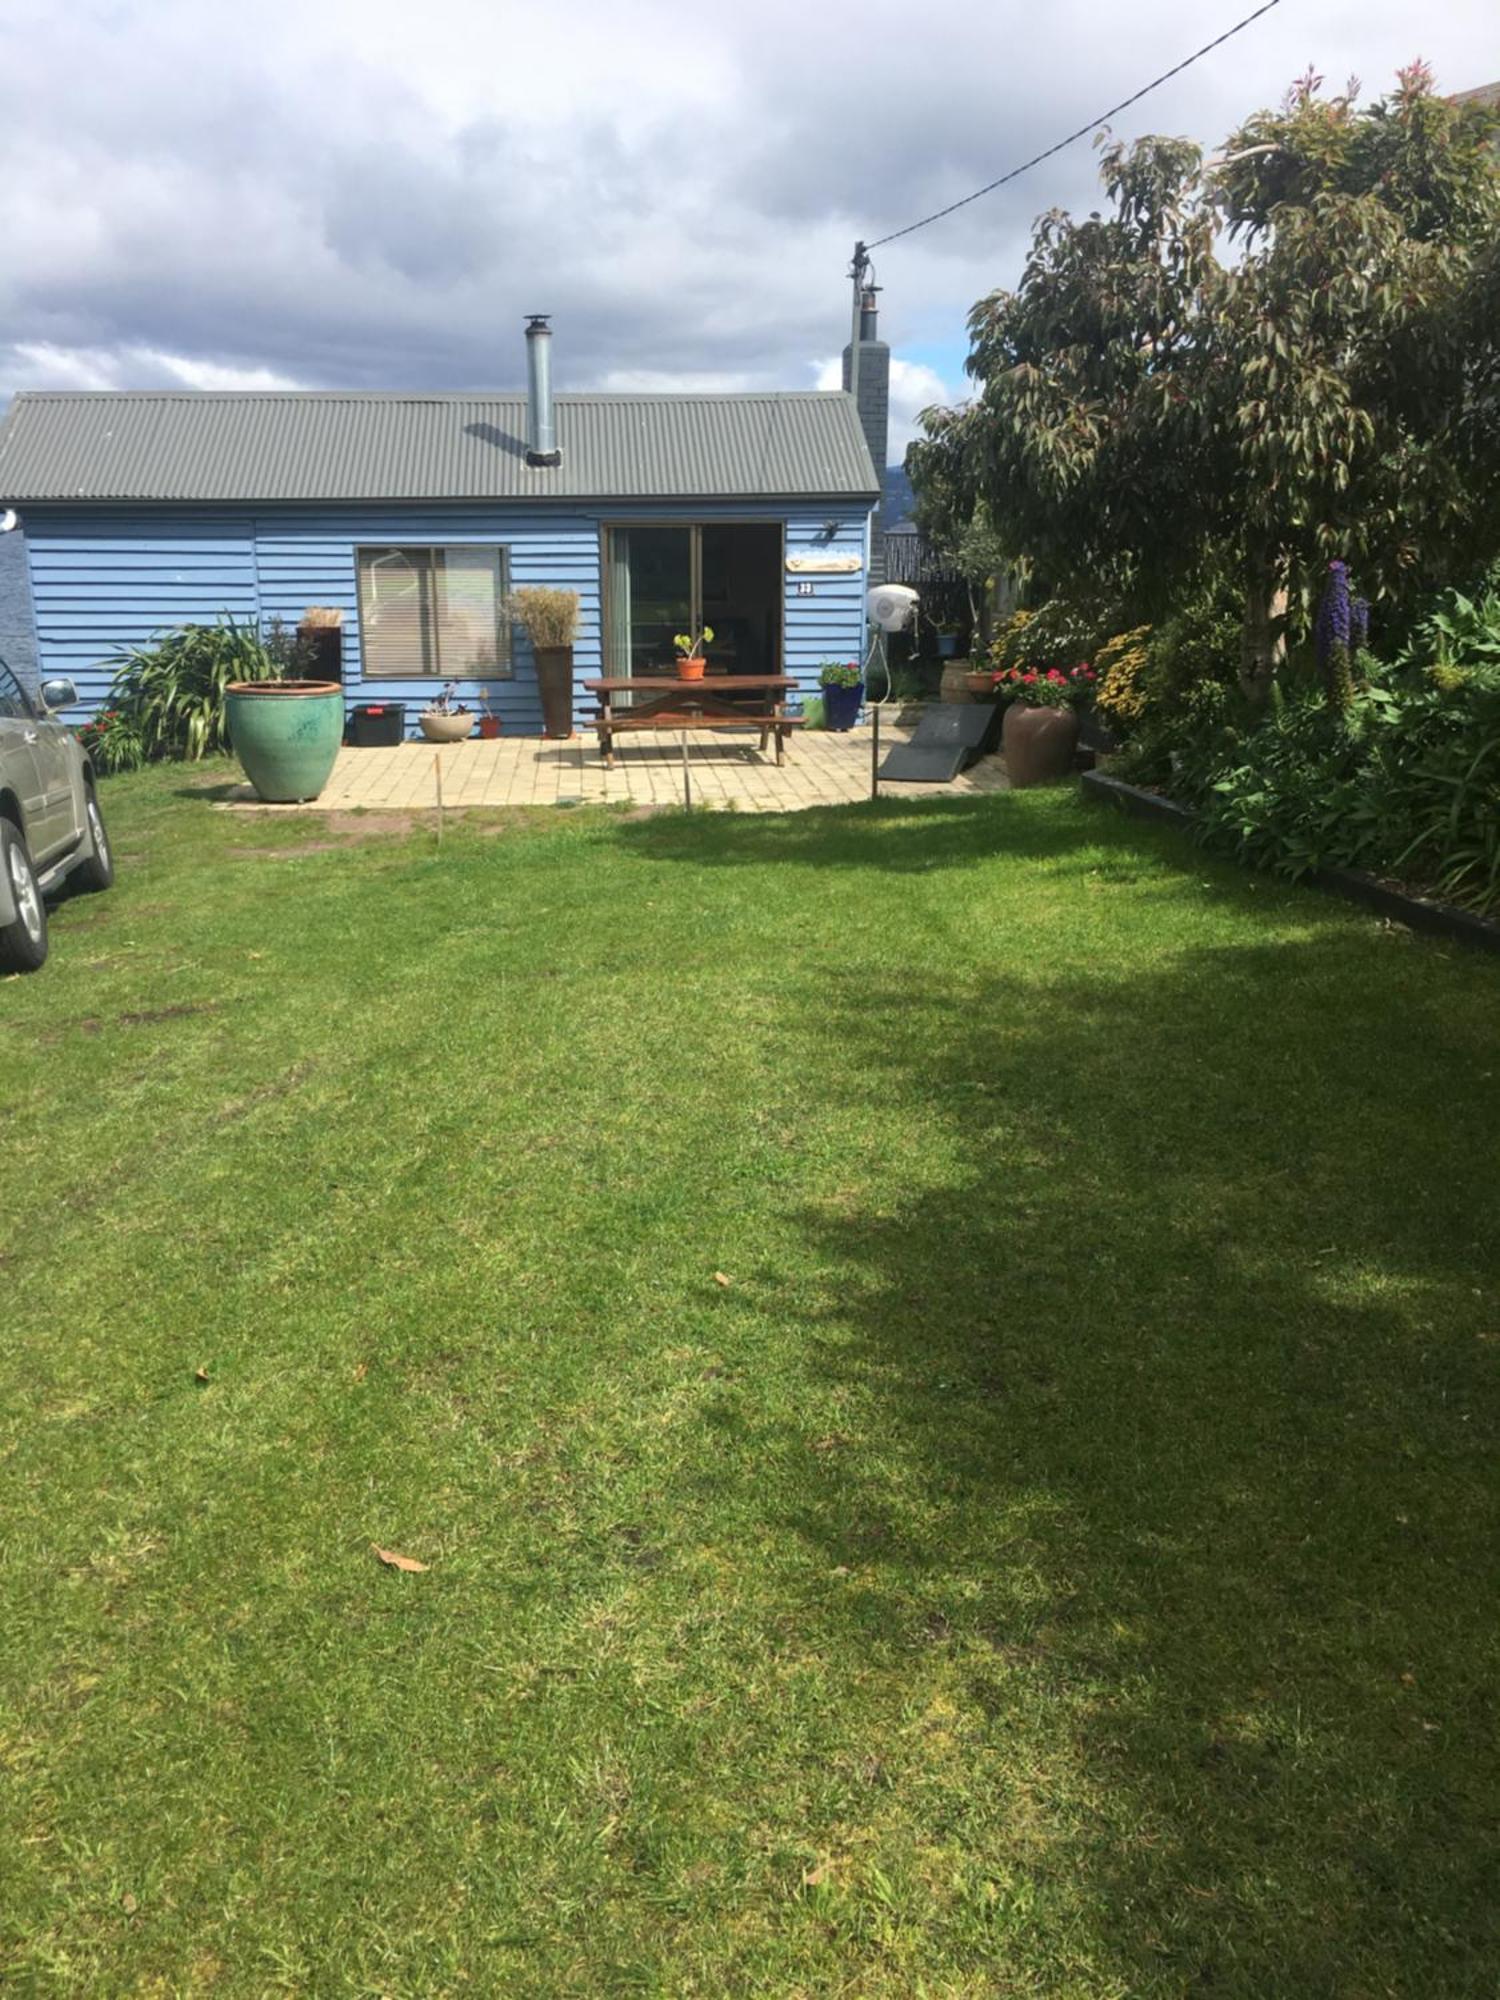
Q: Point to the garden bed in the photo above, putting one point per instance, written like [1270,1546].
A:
[1388,899]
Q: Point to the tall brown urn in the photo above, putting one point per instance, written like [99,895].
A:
[554,673]
[1039,744]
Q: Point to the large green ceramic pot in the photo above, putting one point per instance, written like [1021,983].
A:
[286,734]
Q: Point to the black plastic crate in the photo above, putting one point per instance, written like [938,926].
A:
[373,724]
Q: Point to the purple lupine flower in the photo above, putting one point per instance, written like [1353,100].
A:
[1334,613]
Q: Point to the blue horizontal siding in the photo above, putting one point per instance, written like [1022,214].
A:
[103,579]
[100,583]
[308,556]
[830,623]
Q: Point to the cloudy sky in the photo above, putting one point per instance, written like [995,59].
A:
[371,193]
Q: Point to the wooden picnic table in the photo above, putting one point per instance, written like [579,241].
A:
[662,701]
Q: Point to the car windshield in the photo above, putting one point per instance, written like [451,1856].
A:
[14,707]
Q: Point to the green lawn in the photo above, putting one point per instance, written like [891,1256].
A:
[1060,1561]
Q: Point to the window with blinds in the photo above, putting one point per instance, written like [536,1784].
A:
[437,613]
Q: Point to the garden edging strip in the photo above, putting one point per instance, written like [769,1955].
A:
[1419,913]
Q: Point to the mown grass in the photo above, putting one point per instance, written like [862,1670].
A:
[1060,1561]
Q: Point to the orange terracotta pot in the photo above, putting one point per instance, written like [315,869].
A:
[690,670]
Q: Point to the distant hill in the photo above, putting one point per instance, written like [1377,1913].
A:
[899,499]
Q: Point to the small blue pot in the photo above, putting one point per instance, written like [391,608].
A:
[841,706]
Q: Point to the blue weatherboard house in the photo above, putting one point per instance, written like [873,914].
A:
[416,515]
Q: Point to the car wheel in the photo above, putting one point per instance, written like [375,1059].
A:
[98,870]
[23,942]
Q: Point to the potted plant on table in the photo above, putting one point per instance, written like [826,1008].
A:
[947,641]
[549,618]
[445,719]
[843,691]
[1042,720]
[690,661]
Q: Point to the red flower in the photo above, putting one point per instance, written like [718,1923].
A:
[1028,678]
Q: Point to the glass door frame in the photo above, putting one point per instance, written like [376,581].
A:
[695,524]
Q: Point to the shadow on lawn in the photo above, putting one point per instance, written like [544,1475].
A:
[909,836]
[1190,1394]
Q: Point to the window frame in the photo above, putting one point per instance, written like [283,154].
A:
[505,652]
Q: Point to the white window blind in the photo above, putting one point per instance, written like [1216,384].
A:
[434,613]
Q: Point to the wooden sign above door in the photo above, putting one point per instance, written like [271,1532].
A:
[824,562]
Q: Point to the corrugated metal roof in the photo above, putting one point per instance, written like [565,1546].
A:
[316,445]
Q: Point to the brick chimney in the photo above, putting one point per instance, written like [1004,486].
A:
[874,401]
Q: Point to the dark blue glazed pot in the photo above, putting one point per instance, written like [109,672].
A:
[841,706]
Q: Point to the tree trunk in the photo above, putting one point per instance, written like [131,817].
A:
[1263,636]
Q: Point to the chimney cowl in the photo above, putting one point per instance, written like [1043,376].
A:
[541,426]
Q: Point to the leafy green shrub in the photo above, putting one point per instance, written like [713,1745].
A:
[1183,695]
[1461,632]
[1288,794]
[1440,785]
[113,742]
[1405,783]
[1055,634]
[172,691]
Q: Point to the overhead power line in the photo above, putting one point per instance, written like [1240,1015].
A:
[1083,130]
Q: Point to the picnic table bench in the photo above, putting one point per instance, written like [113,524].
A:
[662,701]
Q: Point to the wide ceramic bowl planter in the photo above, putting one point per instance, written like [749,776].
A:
[841,706]
[286,735]
[446,728]
[1039,744]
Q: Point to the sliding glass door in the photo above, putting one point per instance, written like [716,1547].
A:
[650,595]
[666,577]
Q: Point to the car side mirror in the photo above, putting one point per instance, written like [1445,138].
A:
[58,694]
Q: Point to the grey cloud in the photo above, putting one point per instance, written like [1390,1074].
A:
[224,192]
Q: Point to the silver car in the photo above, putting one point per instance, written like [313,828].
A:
[50,825]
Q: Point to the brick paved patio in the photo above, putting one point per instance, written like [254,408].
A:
[822,768]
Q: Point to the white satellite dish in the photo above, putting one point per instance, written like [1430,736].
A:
[8,519]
